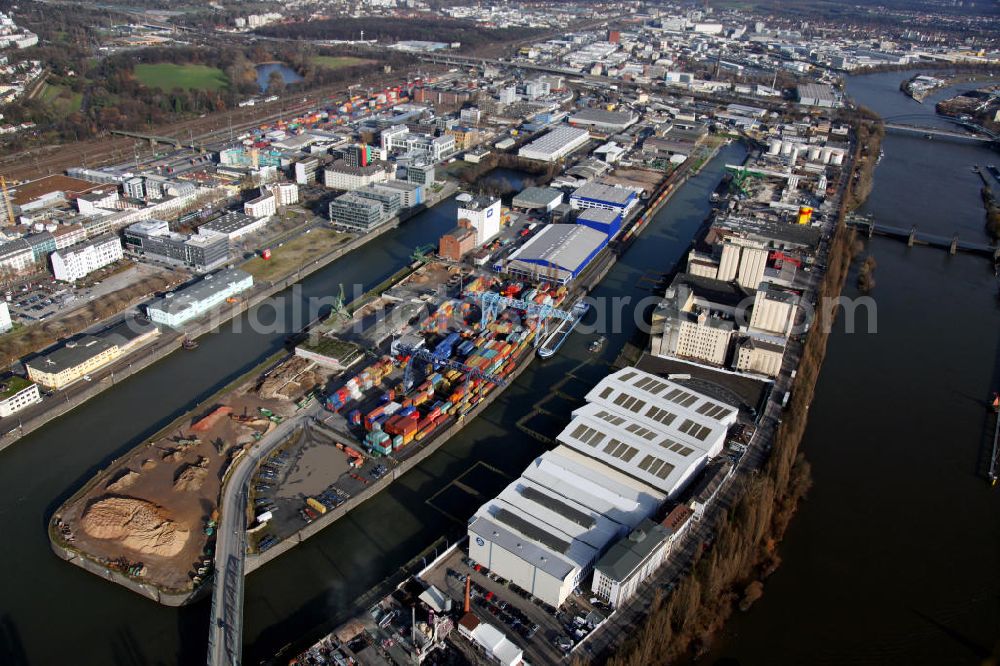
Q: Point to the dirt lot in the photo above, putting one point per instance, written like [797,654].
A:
[294,254]
[645,178]
[152,507]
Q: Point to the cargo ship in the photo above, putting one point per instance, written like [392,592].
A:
[553,342]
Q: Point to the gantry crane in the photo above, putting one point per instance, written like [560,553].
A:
[492,304]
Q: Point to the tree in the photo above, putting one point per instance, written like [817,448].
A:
[275,83]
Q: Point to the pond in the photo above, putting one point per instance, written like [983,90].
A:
[264,71]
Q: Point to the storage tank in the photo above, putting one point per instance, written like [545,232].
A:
[774,147]
[814,153]
[837,158]
[786,147]
[826,154]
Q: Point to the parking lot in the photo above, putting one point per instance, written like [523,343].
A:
[546,634]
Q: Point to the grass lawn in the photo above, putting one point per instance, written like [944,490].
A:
[61,98]
[167,76]
[294,254]
[336,62]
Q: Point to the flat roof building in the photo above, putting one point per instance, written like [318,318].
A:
[555,144]
[599,195]
[537,198]
[603,121]
[185,304]
[559,252]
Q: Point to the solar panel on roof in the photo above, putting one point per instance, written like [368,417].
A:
[563,509]
[532,531]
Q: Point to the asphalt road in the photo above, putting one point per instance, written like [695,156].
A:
[225,633]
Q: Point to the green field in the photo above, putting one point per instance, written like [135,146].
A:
[336,62]
[61,98]
[294,254]
[167,76]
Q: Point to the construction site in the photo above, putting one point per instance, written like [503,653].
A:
[152,515]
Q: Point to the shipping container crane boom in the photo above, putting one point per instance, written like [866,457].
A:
[492,304]
[429,356]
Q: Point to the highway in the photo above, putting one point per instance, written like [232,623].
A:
[225,632]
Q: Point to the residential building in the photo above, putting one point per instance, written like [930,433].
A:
[66,235]
[16,256]
[305,171]
[78,261]
[5,322]
[264,206]
[183,305]
[285,194]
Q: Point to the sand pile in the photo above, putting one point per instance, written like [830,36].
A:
[148,464]
[192,478]
[135,524]
[125,480]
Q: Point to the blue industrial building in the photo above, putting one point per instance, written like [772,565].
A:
[606,221]
[558,253]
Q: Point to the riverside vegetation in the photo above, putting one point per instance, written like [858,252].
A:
[731,573]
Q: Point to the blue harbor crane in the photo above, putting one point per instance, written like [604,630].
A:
[492,304]
[439,359]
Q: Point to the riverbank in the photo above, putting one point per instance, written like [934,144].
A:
[730,572]
[170,340]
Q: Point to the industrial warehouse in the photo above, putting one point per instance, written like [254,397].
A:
[637,443]
[559,252]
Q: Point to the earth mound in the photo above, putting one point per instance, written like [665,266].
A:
[135,524]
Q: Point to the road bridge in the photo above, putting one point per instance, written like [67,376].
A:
[936,132]
[152,138]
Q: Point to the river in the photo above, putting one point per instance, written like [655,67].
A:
[52,612]
[892,559]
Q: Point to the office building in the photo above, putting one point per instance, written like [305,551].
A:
[89,353]
[233,225]
[305,171]
[153,240]
[420,174]
[555,144]
[134,188]
[399,139]
[78,261]
[354,213]
[410,194]
[285,194]
[183,305]
[16,393]
[16,256]
[483,214]
[630,561]
[341,176]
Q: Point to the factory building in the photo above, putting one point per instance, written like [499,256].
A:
[697,319]
[16,393]
[537,198]
[559,252]
[773,310]
[89,353]
[555,145]
[759,356]
[598,195]
[607,122]
[483,214]
[608,222]
[185,304]
[457,243]
[654,430]
[78,261]
[546,529]
[818,94]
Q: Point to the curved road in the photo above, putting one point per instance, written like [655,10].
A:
[225,632]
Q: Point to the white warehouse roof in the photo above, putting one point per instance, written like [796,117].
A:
[562,249]
[654,430]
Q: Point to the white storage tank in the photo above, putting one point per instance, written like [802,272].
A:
[774,147]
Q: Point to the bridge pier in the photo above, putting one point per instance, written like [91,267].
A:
[953,249]
[871,230]
[996,255]
[911,239]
